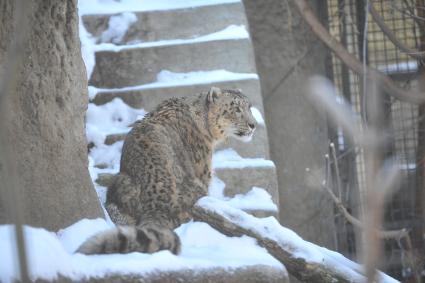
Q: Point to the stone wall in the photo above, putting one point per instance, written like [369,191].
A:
[43,119]
[287,53]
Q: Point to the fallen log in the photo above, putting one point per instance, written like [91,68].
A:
[303,260]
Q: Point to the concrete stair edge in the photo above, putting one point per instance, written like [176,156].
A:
[169,24]
[123,69]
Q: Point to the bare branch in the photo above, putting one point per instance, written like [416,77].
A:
[324,95]
[384,82]
[391,36]
[383,234]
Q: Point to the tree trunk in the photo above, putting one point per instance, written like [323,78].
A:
[42,118]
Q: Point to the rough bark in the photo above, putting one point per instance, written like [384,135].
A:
[44,120]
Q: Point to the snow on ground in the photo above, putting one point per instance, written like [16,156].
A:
[229,158]
[117,27]
[87,7]
[51,254]
[255,199]
[87,48]
[111,118]
[270,228]
[230,33]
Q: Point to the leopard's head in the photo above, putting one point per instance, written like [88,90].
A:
[230,114]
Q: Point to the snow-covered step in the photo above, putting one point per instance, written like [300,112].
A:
[241,180]
[170,84]
[177,85]
[240,175]
[147,26]
[207,256]
[254,204]
[93,7]
[136,66]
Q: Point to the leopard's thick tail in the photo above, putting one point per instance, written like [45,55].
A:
[126,239]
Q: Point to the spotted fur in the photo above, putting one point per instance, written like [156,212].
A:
[166,167]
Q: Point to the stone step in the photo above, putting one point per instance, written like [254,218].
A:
[263,213]
[147,97]
[136,66]
[150,97]
[241,180]
[169,24]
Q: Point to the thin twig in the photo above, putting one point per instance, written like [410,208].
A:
[352,62]
[383,234]
[336,166]
[416,54]
[419,20]
[365,49]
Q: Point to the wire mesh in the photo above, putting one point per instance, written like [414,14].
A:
[346,21]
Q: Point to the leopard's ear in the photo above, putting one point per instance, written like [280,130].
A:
[214,94]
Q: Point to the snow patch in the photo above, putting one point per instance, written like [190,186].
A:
[108,155]
[232,32]
[87,7]
[117,27]
[216,187]
[229,158]
[110,118]
[255,199]
[45,254]
[87,50]
[50,255]
[73,236]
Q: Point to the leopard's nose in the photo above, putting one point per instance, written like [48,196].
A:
[251,125]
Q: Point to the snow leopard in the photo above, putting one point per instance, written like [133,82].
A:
[166,167]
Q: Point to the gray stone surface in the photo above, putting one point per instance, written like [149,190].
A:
[141,65]
[251,274]
[171,24]
[287,53]
[44,121]
[241,180]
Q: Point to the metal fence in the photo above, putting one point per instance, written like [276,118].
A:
[405,122]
